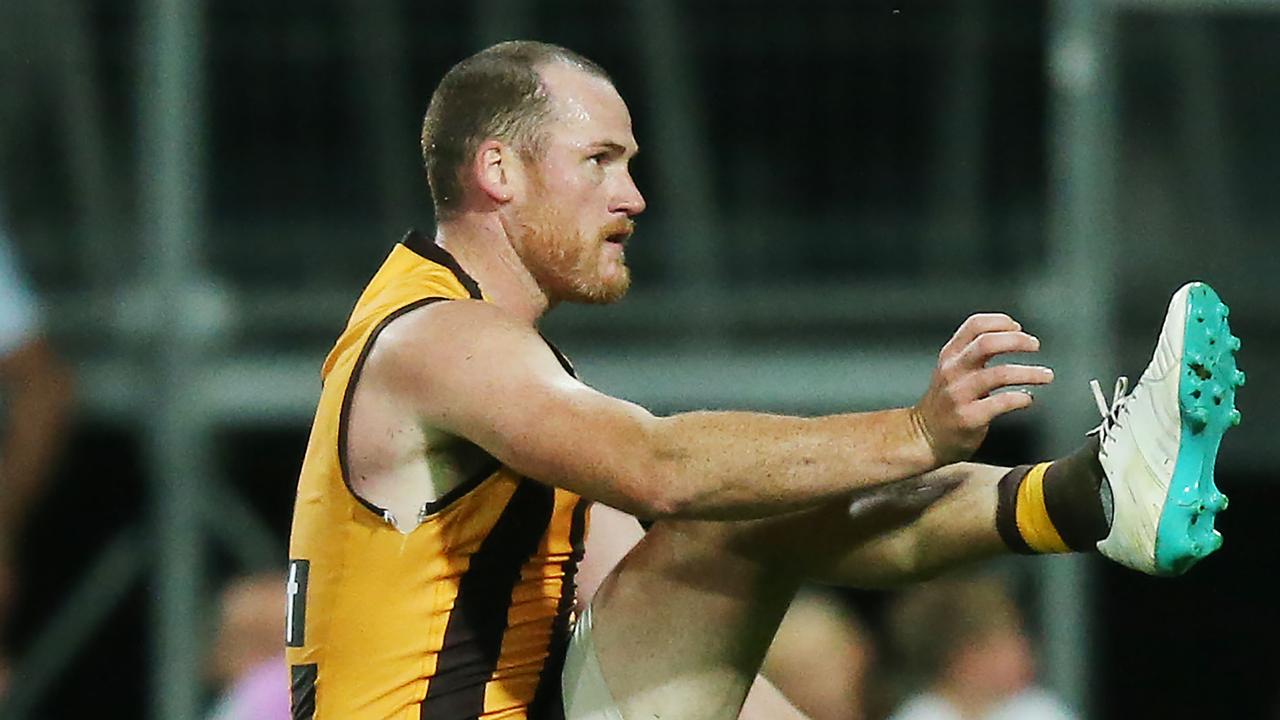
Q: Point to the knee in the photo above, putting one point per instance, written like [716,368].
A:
[745,546]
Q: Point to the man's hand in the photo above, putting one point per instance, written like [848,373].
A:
[963,398]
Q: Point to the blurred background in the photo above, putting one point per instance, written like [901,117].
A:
[196,192]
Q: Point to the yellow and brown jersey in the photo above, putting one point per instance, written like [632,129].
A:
[467,616]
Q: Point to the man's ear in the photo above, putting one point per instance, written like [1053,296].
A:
[497,171]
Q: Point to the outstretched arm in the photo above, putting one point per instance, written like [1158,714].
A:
[495,383]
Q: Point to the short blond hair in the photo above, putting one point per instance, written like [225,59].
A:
[496,93]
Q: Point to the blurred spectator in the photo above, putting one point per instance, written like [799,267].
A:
[248,650]
[35,392]
[966,655]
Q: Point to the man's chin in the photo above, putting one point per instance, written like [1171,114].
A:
[604,293]
[609,299]
[602,296]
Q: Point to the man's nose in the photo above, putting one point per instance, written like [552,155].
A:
[629,199]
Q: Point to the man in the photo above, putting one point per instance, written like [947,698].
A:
[442,502]
[962,648]
[247,662]
[35,390]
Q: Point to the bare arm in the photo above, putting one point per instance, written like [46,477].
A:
[469,369]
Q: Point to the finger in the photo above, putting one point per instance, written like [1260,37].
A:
[988,345]
[994,406]
[984,382]
[976,325]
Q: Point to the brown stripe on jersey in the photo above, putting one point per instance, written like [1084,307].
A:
[302,692]
[475,465]
[344,417]
[473,635]
[547,700]
[425,247]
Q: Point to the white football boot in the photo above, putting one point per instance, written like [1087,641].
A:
[1159,442]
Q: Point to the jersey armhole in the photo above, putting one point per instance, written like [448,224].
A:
[482,470]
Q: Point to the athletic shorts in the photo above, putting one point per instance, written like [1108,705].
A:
[586,697]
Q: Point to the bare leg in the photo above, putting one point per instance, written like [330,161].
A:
[897,533]
[682,625]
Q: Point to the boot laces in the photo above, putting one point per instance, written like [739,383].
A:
[1111,413]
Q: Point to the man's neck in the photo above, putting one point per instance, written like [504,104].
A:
[482,246]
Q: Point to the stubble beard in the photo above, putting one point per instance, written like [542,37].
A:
[565,265]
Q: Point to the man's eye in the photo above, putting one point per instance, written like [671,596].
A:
[599,158]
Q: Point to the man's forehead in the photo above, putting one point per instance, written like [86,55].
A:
[584,99]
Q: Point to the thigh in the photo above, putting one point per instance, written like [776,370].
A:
[682,624]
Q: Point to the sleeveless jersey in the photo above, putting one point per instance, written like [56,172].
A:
[468,615]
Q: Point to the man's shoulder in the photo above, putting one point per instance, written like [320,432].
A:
[447,319]
[440,328]
[457,338]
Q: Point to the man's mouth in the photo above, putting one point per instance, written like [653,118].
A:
[619,232]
